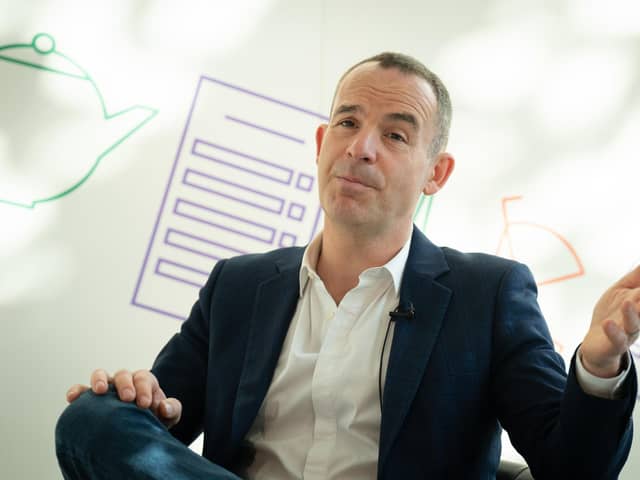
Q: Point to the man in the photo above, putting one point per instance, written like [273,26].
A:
[291,364]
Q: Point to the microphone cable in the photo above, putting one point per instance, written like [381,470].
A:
[402,311]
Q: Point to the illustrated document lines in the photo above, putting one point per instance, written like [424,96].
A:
[243,181]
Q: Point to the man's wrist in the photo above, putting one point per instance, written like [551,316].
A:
[602,387]
[607,370]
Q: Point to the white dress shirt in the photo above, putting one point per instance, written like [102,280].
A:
[320,418]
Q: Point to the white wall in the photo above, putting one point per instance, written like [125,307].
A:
[546,106]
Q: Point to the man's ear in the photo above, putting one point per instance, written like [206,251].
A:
[440,171]
[320,131]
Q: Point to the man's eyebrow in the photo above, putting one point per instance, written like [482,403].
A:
[396,116]
[404,117]
[346,108]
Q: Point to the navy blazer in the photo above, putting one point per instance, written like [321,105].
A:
[476,356]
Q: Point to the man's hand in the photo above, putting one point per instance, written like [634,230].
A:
[614,328]
[141,386]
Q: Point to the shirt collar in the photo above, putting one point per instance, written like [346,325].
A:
[395,266]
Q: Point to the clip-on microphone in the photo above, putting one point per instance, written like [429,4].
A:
[403,311]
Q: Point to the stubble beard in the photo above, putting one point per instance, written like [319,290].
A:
[359,216]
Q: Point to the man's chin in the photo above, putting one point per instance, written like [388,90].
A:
[354,217]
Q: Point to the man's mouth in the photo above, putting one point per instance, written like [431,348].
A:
[354,180]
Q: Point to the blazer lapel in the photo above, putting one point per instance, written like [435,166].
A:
[275,304]
[413,339]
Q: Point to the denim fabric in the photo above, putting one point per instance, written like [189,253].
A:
[101,437]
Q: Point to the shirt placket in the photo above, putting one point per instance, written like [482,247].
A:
[325,386]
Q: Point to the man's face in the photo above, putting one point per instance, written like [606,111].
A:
[373,155]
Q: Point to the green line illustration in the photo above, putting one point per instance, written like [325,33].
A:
[423,209]
[41,56]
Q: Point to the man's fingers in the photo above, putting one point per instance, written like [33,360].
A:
[617,336]
[145,384]
[99,381]
[75,391]
[170,411]
[141,386]
[157,398]
[123,380]
[631,321]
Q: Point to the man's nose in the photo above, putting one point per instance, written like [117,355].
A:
[364,145]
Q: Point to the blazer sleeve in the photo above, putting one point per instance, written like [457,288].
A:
[561,431]
[181,366]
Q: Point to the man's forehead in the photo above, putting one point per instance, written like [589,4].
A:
[386,85]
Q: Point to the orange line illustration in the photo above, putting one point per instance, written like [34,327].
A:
[506,237]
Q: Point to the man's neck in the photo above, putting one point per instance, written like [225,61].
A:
[345,254]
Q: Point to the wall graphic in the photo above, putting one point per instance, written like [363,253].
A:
[66,129]
[569,267]
[535,244]
[226,198]
[423,209]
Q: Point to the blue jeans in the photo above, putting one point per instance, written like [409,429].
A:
[101,437]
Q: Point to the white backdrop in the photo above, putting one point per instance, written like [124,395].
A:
[140,141]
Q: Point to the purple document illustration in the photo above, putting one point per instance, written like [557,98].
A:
[243,181]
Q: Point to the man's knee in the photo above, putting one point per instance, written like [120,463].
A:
[93,421]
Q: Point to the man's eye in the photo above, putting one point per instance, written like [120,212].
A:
[396,136]
[346,123]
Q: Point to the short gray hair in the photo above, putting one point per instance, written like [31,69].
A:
[408,64]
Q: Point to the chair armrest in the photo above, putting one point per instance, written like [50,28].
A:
[513,471]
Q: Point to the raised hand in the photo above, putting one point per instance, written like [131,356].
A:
[615,326]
